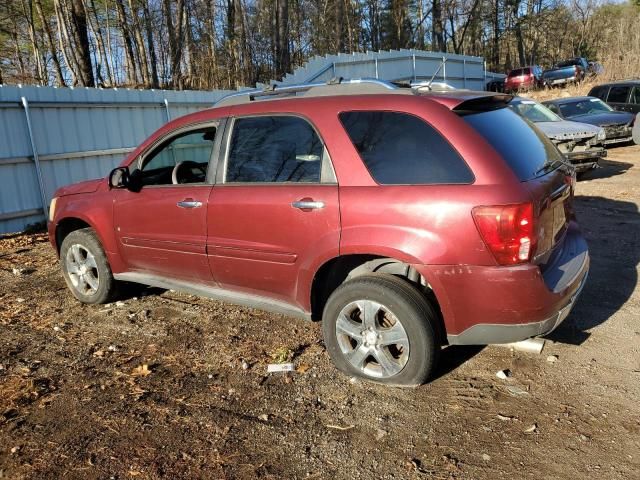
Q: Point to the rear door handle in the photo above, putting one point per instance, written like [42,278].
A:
[189,203]
[307,204]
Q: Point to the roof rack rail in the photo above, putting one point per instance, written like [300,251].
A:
[280,91]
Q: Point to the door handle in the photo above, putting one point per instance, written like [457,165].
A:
[307,204]
[189,203]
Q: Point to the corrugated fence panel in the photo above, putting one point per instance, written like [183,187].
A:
[79,134]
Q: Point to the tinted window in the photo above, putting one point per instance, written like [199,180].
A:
[192,149]
[585,107]
[274,149]
[519,71]
[635,96]
[400,149]
[522,146]
[600,92]
[619,94]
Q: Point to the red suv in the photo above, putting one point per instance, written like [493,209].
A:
[404,219]
[525,78]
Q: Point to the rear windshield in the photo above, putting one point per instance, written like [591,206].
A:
[525,149]
[519,71]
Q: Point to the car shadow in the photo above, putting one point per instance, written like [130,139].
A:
[611,228]
[607,168]
[453,356]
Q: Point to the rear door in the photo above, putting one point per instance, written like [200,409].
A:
[274,208]
[161,223]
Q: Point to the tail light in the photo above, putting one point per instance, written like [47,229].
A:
[508,231]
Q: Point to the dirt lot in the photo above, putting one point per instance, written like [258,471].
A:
[167,385]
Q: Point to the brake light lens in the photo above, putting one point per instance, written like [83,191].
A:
[508,231]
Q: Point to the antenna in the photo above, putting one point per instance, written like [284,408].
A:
[428,85]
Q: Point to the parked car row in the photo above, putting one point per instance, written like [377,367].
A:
[402,218]
[532,77]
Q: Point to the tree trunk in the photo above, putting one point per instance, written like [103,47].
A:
[41,74]
[52,47]
[283,56]
[340,26]
[97,33]
[174,34]
[81,37]
[437,27]
[132,74]
[139,43]
[150,44]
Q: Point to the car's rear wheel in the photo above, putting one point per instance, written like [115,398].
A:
[381,328]
[85,267]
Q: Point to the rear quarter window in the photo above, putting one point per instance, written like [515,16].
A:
[525,149]
[401,149]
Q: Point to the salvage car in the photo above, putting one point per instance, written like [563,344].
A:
[568,71]
[617,125]
[402,218]
[524,78]
[582,144]
[623,96]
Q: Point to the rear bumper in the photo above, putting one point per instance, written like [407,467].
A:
[486,305]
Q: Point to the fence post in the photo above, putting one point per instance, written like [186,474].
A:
[376,59]
[413,66]
[166,109]
[444,69]
[464,73]
[36,159]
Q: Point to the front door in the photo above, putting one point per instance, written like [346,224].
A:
[274,209]
[161,222]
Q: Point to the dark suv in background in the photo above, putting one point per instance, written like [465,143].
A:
[404,219]
[624,95]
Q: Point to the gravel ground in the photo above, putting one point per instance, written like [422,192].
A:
[166,385]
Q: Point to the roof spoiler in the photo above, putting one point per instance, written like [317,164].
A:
[483,104]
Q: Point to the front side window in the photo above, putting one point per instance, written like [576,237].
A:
[635,96]
[274,149]
[180,159]
[619,94]
[401,149]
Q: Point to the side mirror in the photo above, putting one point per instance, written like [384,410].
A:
[119,178]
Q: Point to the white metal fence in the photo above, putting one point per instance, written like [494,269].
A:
[51,137]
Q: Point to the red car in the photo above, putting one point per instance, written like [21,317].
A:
[525,78]
[404,219]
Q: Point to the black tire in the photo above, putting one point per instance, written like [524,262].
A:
[106,289]
[406,304]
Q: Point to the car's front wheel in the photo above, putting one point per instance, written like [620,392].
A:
[381,328]
[85,267]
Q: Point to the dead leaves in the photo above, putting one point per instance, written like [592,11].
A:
[141,371]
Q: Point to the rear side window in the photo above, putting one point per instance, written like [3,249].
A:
[274,149]
[619,94]
[600,92]
[401,149]
[525,149]
[635,96]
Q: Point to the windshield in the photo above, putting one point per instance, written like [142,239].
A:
[534,112]
[526,149]
[587,106]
